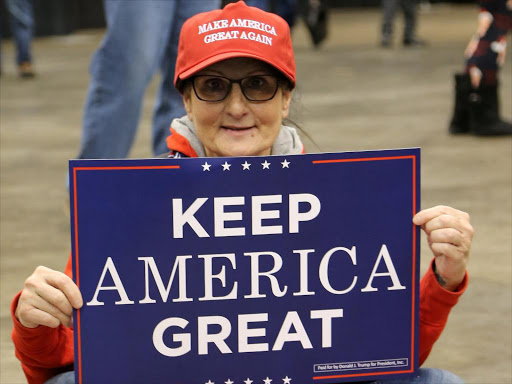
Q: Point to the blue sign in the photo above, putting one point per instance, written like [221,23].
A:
[243,270]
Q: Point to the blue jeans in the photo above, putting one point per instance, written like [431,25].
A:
[425,376]
[21,19]
[261,4]
[284,8]
[142,37]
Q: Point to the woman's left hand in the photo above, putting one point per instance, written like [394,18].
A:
[449,235]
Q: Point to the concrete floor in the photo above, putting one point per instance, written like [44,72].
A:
[352,96]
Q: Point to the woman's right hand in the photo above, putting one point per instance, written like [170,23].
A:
[48,298]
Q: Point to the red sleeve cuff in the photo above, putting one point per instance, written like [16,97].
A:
[31,340]
[438,300]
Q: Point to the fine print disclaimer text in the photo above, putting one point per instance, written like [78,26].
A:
[358,365]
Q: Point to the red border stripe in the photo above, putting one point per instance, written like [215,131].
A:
[358,375]
[413,157]
[79,347]
[362,159]
[127,168]
[75,208]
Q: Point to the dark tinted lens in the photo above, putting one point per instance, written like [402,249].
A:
[260,87]
[211,88]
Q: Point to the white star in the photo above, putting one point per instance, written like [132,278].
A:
[229,382]
[266,165]
[206,166]
[267,380]
[248,381]
[225,166]
[287,380]
[285,163]
[209,382]
[246,166]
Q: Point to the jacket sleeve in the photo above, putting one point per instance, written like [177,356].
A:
[43,352]
[435,306]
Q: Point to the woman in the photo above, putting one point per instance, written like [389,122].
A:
[236,72]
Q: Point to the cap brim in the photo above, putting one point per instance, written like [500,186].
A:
[230,55]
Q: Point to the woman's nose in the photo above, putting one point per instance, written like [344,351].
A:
[236,103]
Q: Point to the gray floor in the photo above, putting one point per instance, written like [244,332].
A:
[352,96]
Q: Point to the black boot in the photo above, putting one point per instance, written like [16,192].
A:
[484,118]
[460,119]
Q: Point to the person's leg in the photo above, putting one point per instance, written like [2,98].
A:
[410,9]
[427,376]
[287,9]
[484,112]
[388,17]
[169,103]
[63,378]
[21,16]
[122,67]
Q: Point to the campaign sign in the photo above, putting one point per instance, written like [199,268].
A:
[243,270]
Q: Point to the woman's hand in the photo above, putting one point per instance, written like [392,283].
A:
[449,235]
[48,298]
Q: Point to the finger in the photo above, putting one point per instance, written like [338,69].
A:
[65,284]
[449,222]
[44,306]
[445,222]
[29,301]
[430,213]
[38,317]
[446,235]
[445,249]
[54,297]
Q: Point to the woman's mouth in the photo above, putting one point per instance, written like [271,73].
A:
[237,131]
[231,128]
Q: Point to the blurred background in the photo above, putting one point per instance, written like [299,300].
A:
[60,17]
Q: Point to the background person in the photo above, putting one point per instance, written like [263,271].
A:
[141,38]
[236,95]
[21,20]
[476,107]
[410,11]
[314,13]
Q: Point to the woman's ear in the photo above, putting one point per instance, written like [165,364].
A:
[187,101]
[287,98]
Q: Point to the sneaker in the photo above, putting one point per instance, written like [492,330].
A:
[25,70]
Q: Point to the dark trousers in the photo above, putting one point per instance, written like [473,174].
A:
[389,8]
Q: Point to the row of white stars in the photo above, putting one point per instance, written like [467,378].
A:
[245,166]
[286,380]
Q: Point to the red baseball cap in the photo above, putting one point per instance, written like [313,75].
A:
[235,31]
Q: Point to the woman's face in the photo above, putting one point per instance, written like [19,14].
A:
[236,126]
